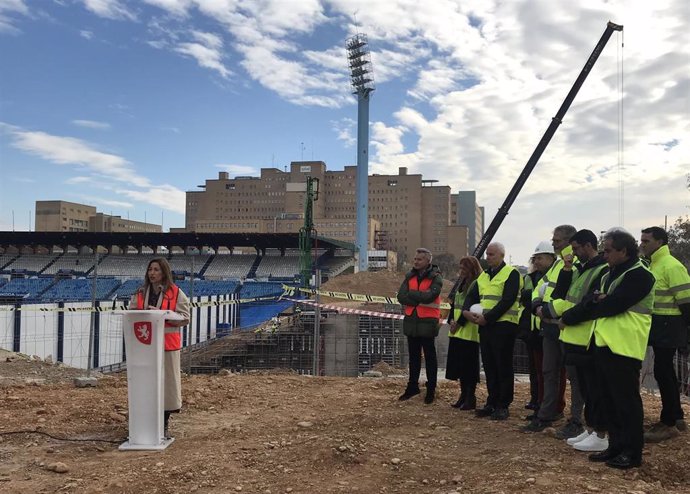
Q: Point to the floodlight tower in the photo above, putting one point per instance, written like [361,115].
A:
[362,79]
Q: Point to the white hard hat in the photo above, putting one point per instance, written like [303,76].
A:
[477,309]
[543,247]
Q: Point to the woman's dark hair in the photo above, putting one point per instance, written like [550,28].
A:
[165,270]
[473,270]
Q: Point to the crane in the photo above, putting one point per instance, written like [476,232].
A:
[307,231]
[541,146]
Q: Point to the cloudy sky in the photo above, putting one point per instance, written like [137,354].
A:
[126,104]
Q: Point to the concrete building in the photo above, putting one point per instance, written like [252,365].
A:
[63,216]
[106,223]
[465,212]
[405,210]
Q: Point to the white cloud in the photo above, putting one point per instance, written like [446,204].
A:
[86,34]
[386,141]
[345,130]
[477,83]
[164,196]
[78,180]
[8,10]
[91,124]
[70,151]
[178,8]
[100,201]
[235,170]
[110,9]
[103,167]
[207,50]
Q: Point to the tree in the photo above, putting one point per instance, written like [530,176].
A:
[679,236]
[679,240]
[448,265]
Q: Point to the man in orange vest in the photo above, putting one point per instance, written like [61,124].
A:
[420,296]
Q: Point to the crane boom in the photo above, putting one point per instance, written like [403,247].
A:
[532,162]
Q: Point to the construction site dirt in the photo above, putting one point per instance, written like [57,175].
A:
[278,432]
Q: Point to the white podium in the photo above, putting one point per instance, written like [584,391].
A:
[144,343]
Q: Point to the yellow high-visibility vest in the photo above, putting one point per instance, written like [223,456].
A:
[672,287]
[491,291]
[578,334]
[469,331]
[626,333]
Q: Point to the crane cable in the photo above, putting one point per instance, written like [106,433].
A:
[621,131]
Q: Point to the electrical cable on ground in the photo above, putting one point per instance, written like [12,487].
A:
[9,433]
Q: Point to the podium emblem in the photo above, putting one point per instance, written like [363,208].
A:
[142,330]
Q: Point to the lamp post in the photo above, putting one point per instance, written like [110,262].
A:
[362,80]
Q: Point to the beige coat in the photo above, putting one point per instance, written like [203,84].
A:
[172,387]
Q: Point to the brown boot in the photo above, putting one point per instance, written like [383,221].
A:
[662,432]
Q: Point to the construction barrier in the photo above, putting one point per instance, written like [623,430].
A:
[357,297]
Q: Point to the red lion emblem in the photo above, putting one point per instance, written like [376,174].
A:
[142,330]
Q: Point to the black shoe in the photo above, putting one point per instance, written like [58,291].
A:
[571,429]
[460,401]
[624,461]
[532,416]
[430,394]
[532,406]
[484,412]
[605,455]
[469,404]
[409,393]
[536,425]
[500,414]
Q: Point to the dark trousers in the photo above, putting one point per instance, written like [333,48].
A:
[620,379]
[553,375]
[496,343]
[469,367]
[536,380]
[415,345]
[590,387]
[665,376]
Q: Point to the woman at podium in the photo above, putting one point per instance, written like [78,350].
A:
[159,292]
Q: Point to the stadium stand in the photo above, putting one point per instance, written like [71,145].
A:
[253,289]
[30,263]
[278,266]
[125,266]
[6,259]
[28,288]
[183,264]
[333,266]
[73,290]
[71,262]
[227,266]
[127,289]
[206,288]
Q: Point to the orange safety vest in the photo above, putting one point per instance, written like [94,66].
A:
[173,340]
[423,310]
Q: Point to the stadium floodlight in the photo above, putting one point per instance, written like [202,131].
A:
[362,80]
[361,69]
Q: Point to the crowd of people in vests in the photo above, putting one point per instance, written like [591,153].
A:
[587,313]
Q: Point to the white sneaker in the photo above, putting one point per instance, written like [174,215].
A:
[574,440]
[593,443]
